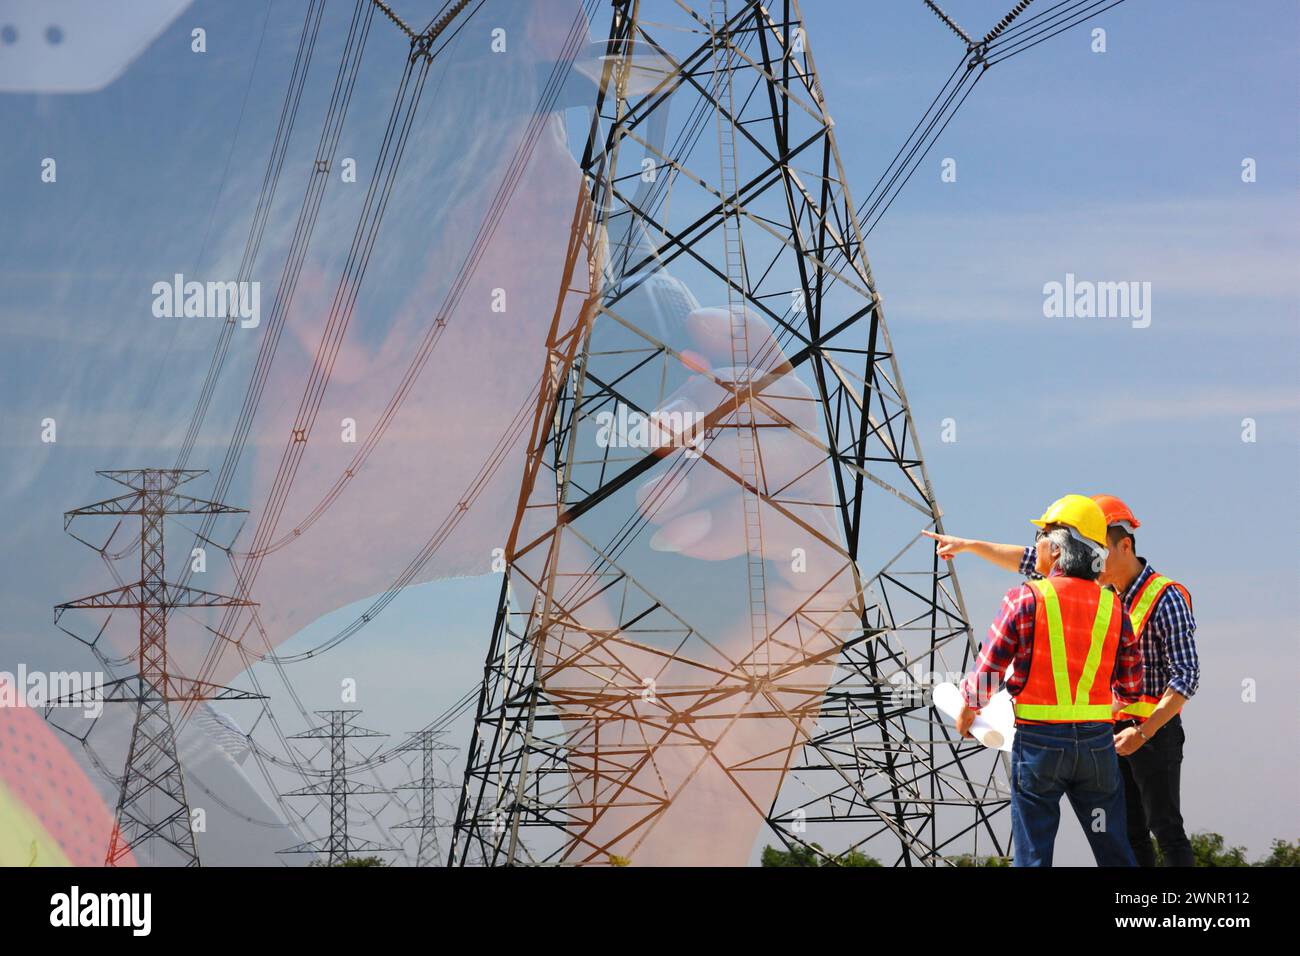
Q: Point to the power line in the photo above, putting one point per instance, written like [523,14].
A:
[265,198]
[401,117]
[221,186]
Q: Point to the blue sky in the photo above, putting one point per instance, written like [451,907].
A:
[1123,165]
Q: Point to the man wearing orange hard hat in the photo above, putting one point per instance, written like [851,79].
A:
[1149,735]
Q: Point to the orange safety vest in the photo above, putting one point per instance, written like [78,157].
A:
[1140,614]
[1076,639]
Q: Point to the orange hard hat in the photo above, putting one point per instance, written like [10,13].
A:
[1116,511]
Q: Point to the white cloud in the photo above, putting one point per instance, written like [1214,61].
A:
[1217,256]
[1187,404]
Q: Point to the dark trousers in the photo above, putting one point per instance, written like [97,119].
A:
[1077,761]
[1151,784]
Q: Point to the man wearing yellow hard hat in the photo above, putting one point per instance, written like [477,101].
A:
[1072,654]
[1149,736]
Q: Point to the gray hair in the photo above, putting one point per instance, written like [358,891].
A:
[1074,558]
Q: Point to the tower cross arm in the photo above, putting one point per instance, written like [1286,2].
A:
[178,504]
[172,503]
[137,689]
[121,505]
[170,595]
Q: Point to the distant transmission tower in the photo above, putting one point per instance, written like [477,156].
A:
[765,654]
[426,743]
[151,806]
[338,846]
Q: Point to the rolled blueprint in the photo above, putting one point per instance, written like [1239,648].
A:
[994,725]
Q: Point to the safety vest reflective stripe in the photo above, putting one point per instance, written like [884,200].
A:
[1151,592]
[1068,706]
[1056,637]
[1100,625]
[1143,708]
[1066,712]
[1146,601]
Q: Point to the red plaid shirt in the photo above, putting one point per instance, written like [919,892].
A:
[1011,638]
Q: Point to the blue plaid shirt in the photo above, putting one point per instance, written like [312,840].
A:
[1168,640]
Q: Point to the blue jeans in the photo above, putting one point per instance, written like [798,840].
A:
[1079,762]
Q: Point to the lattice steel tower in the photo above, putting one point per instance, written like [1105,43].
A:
[719,611]
[151,807]
[338,845]
[427,744]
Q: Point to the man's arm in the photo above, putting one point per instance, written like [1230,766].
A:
[1169,706]
[1009,557]
[1009,629]
[1174,629]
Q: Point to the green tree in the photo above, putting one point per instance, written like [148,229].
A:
[353,861]
[796,856]
[853,858]
[814,856]
[1210,849]
[1284,853]
[970,859]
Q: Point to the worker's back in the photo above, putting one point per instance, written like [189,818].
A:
[1076,638]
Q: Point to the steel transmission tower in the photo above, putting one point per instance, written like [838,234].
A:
[715,622]
[338,846]
[426,744]
[151,806]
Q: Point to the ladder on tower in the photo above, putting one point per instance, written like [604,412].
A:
[745,426]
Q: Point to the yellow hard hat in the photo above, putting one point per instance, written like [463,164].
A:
[1078,512]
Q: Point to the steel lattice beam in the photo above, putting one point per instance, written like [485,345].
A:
[818,725]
